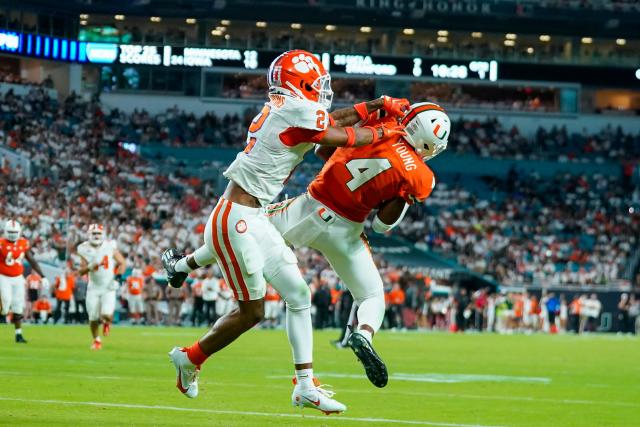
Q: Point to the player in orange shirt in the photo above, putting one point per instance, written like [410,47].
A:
[13,249]
[135,284]
[387,175]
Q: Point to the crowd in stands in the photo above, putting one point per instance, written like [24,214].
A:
[570,229]
[564,230]
[12,78]
[490,138]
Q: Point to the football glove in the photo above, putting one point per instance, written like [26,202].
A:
[395,106]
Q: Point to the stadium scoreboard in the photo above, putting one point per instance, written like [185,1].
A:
[59,49]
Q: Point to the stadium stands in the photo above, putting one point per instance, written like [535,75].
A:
[520,229]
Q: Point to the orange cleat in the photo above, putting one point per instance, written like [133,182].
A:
[97,345]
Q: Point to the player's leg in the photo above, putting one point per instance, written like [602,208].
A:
[93,312]
[241,261]
[281,270]
[107,308]
[5,297]
[350,257]
[17,306]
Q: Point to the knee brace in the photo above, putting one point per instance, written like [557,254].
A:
[17,317]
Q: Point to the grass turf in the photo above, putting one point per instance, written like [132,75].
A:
[436,379]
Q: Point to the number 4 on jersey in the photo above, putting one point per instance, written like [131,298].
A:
[364,170]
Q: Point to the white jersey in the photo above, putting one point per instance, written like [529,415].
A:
[266,163]
[102,257]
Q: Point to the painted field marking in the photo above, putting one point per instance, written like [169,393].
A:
[246,413]
[445,378]
[214,382]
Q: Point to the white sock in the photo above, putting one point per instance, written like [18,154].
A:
[371,312]
[182,266]
[305,378]
[366,334]
[300,334]
[19,331]
[97,339]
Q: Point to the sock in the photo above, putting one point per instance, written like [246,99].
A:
[97,339]
[366,334]
[19,331]
[300,334]
[182,266]
[371,312]
[304,378]
[195,354]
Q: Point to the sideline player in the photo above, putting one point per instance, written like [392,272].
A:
[13,249]
[388,176]
[248,249]
[101,259]
[135,285]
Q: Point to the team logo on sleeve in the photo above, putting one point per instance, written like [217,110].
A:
[241,226]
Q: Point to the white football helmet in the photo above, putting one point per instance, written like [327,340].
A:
[12,230]
[428,128]
[96,234]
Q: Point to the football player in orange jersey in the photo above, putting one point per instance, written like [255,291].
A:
[13,249]
[388,176]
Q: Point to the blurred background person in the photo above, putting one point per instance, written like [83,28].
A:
[210,289]
[134,290]
[64,285]
[80,299]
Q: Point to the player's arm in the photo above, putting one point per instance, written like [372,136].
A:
[333,136]
[390,215]
[362,112]
[120,262]
[33,263]
[84,267]
[358,136]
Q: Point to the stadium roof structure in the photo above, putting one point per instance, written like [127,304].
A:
[602,19]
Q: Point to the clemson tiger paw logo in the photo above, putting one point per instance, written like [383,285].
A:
[303,63]
[241,226]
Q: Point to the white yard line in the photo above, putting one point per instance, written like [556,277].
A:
[215,384]
[340,419]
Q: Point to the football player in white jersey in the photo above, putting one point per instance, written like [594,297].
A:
[248,249]
[100,258]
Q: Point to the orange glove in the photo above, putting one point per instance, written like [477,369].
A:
[395,106]
[386,131]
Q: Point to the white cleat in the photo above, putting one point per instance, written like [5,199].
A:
[317,398]
[186,372]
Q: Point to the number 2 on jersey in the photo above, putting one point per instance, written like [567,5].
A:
[256,125]
[364,170]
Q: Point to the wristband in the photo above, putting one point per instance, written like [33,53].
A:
[351,137]
[374,132]
[362,111]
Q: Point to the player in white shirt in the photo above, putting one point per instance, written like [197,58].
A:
[100,258]
[248,249]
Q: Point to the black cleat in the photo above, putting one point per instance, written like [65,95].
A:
[373,366]
[20,339]
[169,259]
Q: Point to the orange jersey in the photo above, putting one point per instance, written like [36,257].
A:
[135,285]
[271,294]
[11,256]
[354,181]
[42,305]
[34,281]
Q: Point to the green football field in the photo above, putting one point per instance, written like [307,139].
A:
[436,379]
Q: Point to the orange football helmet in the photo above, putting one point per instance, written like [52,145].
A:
[300,74]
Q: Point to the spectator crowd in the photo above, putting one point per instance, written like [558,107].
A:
[569,229]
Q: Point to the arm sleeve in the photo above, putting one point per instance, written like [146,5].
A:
[295,135]
[380,227]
